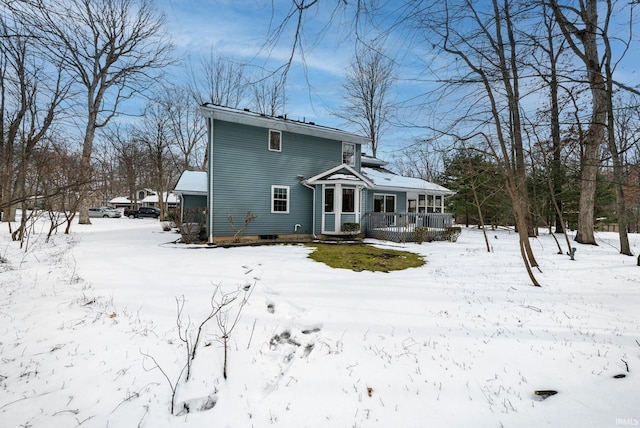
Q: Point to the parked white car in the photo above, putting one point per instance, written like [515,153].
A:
[105,212]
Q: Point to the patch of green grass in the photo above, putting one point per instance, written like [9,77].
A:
[359,257]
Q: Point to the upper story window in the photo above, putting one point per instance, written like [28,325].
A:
[280,199]
[275,141]
[349,154]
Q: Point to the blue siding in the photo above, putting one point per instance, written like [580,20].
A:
[244,171]
[348,218]
[193,208]
[194,201]
[330,223]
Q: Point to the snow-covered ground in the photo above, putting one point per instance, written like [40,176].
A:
[463,341]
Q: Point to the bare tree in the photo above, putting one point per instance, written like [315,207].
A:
[228,317]
[186,128]
[587,15]
[546,61]
[58,167]
[585,31]
[269,96]
[422,160]
[130,157]
[367,93]
[627,135]
[113,49]
[32,90]
[154,133]
[106,181]
[615,151]
[486,51]
[218,80]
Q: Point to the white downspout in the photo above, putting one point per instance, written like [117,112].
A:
[313,219]
[362,206]
[210,178]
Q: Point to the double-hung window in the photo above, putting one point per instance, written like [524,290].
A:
[329,193]
[280,199]
[384,203]
[422,203]
[349,154]
[275,141]
[348,200]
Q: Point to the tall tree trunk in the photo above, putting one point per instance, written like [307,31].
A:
[19,194]
[85,168]
[590,164]
[618,180]
[518,175]
[618,170]
[511,79]
[595,136]
[556,142]
[480,216]
[7,195]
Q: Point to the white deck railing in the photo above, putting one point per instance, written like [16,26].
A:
[407,227]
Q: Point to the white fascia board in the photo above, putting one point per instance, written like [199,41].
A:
[280,124]
[318,179]
[414,190]
[190,192]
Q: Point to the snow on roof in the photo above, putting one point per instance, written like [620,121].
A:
[371,161]
[383,179]
[170,198]
[343,177]
[120,200]
[280,123]
[192,182]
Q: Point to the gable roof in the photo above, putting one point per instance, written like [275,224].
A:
[168,198]
[386,180]
[341,173]
[279,123]
[192,183]
[120,200]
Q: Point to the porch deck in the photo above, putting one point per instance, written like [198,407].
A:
[408,227]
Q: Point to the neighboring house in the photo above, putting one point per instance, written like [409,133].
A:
[120,202]
[171,200]
[146,198]
[273,177]
[143,193]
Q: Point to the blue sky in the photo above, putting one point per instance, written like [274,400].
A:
[239,29]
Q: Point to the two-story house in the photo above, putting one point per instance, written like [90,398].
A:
[292,179]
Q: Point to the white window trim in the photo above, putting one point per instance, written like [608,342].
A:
[355,197]
[324,199]
[287,188]
[353,158]
[269,141]
[384,196]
